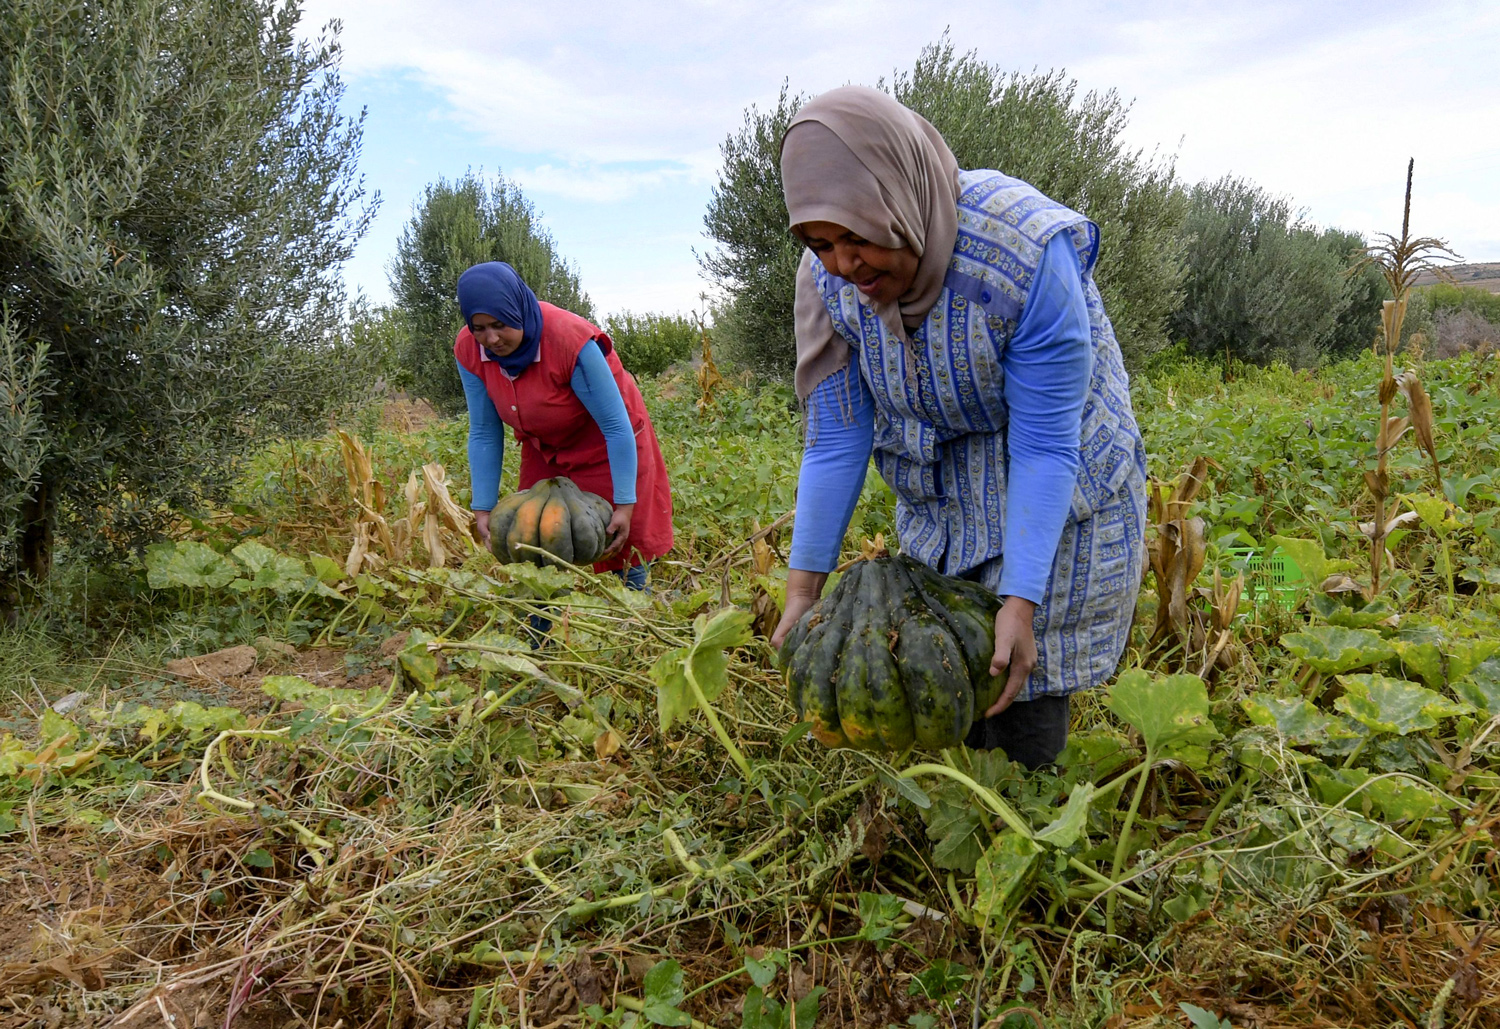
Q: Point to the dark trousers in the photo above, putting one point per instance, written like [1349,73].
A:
[1032,732]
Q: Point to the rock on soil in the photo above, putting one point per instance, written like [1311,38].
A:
[221,664]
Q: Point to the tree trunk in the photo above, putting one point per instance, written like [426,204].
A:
[35,545]
[33,557]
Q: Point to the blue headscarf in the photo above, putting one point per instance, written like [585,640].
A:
[494,288]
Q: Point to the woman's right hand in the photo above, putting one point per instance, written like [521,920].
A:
[482,523]
[802,591]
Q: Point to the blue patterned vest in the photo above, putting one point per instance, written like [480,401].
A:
[940,411]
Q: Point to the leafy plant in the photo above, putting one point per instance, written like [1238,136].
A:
[458,224]
[648,344]
[190,308]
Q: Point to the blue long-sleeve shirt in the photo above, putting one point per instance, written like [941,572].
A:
[595,386]
[1047,364]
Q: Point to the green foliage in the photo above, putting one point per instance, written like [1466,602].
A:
[1032,126]
[1448,296]
[1003,876]
[1386,705]
[1453,318]
[493,770]
[457,225]
[1170,712]
[1037,128]
[177,192]
[1263,285]
[648,344]
[685,674]
[755,260]
[663,993]
[1332,649]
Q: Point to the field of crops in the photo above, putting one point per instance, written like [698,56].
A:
[377,803]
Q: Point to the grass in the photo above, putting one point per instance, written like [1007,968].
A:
[405,816]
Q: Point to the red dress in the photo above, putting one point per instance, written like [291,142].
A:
[559,437]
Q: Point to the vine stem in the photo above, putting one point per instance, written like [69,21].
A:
[208,796]
[1008,815]
[713,720]
[988,797]
[1123,846]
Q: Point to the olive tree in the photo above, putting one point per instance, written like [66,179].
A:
[1264,285]
[455,225]
[177,192]
[1035,127]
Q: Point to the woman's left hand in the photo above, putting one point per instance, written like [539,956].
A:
[618,530]
[1015,649]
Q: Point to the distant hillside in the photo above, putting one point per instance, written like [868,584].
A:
[1485,275]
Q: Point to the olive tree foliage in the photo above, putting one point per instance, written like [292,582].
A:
[177,192]
[1263,285]
[755,260]
[454,226]
[1035,127]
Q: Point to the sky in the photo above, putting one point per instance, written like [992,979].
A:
[609,115]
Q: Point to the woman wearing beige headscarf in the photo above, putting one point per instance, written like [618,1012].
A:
[948,321]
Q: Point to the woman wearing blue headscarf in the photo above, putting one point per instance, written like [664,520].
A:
[556,380]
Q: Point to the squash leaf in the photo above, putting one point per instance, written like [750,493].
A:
[1064,830]
[1307,555]
[1332,649]
[1383,704]
[1169,711]
[188,563]
[1295,718]
[1481,687]
[706,657]
[1003,874]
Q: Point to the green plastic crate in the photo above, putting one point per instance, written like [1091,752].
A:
[1271,575]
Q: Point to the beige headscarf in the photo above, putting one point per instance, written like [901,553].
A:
[855,157]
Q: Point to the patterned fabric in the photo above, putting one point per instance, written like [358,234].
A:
[940,421]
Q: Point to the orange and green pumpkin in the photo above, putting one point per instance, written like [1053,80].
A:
[554,515]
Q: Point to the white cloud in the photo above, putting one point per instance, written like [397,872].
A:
[625,103]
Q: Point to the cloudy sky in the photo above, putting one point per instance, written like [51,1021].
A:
[610,114]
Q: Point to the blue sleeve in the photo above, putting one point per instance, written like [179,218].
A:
[840,436]
[600,395]
[486,443]
[1048,364]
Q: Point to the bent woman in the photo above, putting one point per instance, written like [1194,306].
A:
[556,380]
[948,321]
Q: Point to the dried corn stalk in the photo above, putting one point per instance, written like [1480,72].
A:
[765,612]
[1400,260]
[430,510]
[1177,554]
[440,511]
[709,378]
[369,496]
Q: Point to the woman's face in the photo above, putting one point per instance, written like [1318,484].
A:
[880,273]
[500,340]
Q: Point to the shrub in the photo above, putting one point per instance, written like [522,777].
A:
[456,225]
[1453,318]
[177,192]
[648,344]
[1263,285]
[1035,127]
